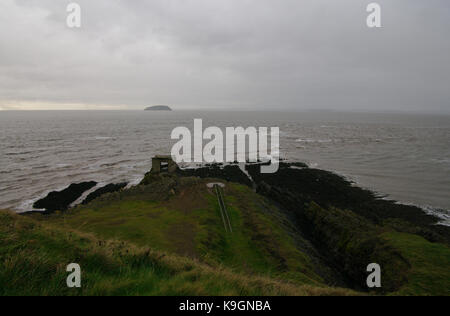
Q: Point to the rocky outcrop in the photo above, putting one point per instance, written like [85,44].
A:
[328,189]
[231,173]
[110,188]
[60,201]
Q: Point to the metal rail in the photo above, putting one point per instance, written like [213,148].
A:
[223,209]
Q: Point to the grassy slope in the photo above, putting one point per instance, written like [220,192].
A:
[410,264]
[188,223]
[33,257]
[430,265]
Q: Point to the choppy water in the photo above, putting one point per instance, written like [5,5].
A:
[406,157]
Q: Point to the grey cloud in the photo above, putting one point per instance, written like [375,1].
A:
[253,54]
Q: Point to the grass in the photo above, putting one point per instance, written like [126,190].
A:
[430,262]
[262,222]
[188,223]
[33,257]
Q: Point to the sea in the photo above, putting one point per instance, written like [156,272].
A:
[404,157]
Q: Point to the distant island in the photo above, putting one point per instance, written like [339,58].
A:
[158,108]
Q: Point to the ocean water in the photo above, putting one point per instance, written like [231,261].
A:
[400,156]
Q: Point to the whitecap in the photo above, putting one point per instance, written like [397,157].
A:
[102,138]
[310,140]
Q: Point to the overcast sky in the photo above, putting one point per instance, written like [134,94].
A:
[225,54]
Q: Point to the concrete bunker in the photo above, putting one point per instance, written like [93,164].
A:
[163,163]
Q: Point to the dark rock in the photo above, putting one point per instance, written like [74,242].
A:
[60,201]
[329,189]
[110,188]
[230,173]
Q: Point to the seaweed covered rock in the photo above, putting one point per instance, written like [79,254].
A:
[328,189]
[231,173]
[110,188]
[60,201]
